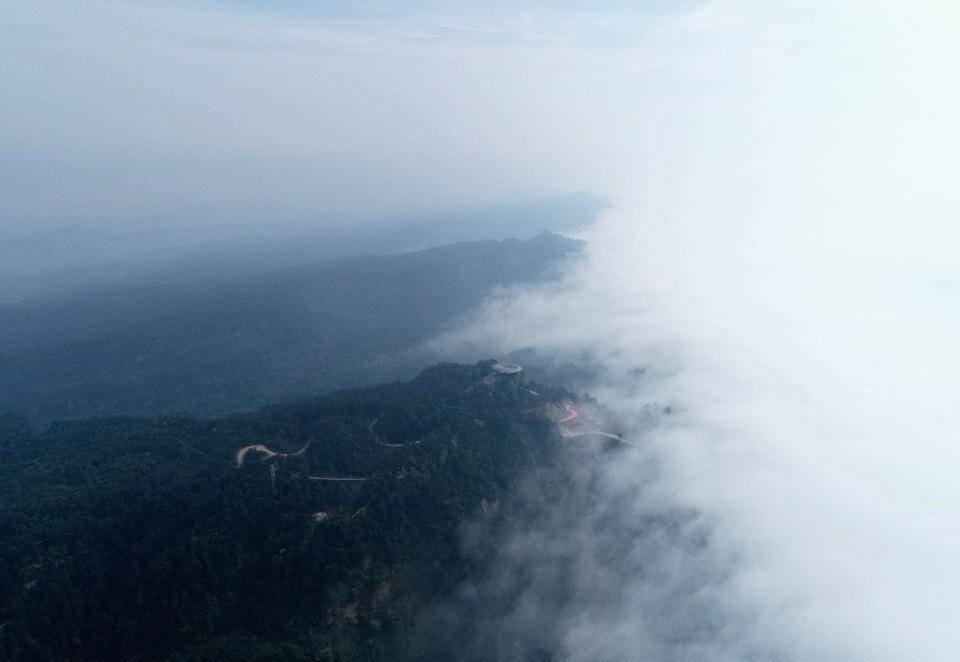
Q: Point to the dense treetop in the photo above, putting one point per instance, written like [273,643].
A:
[144,538]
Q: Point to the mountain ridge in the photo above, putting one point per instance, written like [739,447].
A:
[207,348]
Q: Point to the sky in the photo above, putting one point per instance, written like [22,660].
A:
[780,266]
[246,114]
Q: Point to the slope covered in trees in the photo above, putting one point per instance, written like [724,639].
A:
[143,539]
[203,347]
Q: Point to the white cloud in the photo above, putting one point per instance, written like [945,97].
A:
[791,293]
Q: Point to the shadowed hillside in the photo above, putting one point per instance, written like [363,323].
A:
[204,347]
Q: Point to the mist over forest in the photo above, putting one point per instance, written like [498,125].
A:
[530,332]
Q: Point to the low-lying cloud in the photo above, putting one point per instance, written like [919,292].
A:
[812,430]
[794,303]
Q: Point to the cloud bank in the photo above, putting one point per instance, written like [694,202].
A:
[790,292]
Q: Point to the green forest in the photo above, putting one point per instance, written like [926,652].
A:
[154,539]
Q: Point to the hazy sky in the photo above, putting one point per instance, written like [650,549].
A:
[271,112]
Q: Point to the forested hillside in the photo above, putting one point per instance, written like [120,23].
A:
[324,529]
[205,347]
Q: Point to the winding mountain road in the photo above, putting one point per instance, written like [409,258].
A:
[383,443]
[260,448]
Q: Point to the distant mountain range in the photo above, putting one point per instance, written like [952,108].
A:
[194,344]
[73,257]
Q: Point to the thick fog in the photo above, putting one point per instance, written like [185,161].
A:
[789,290]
